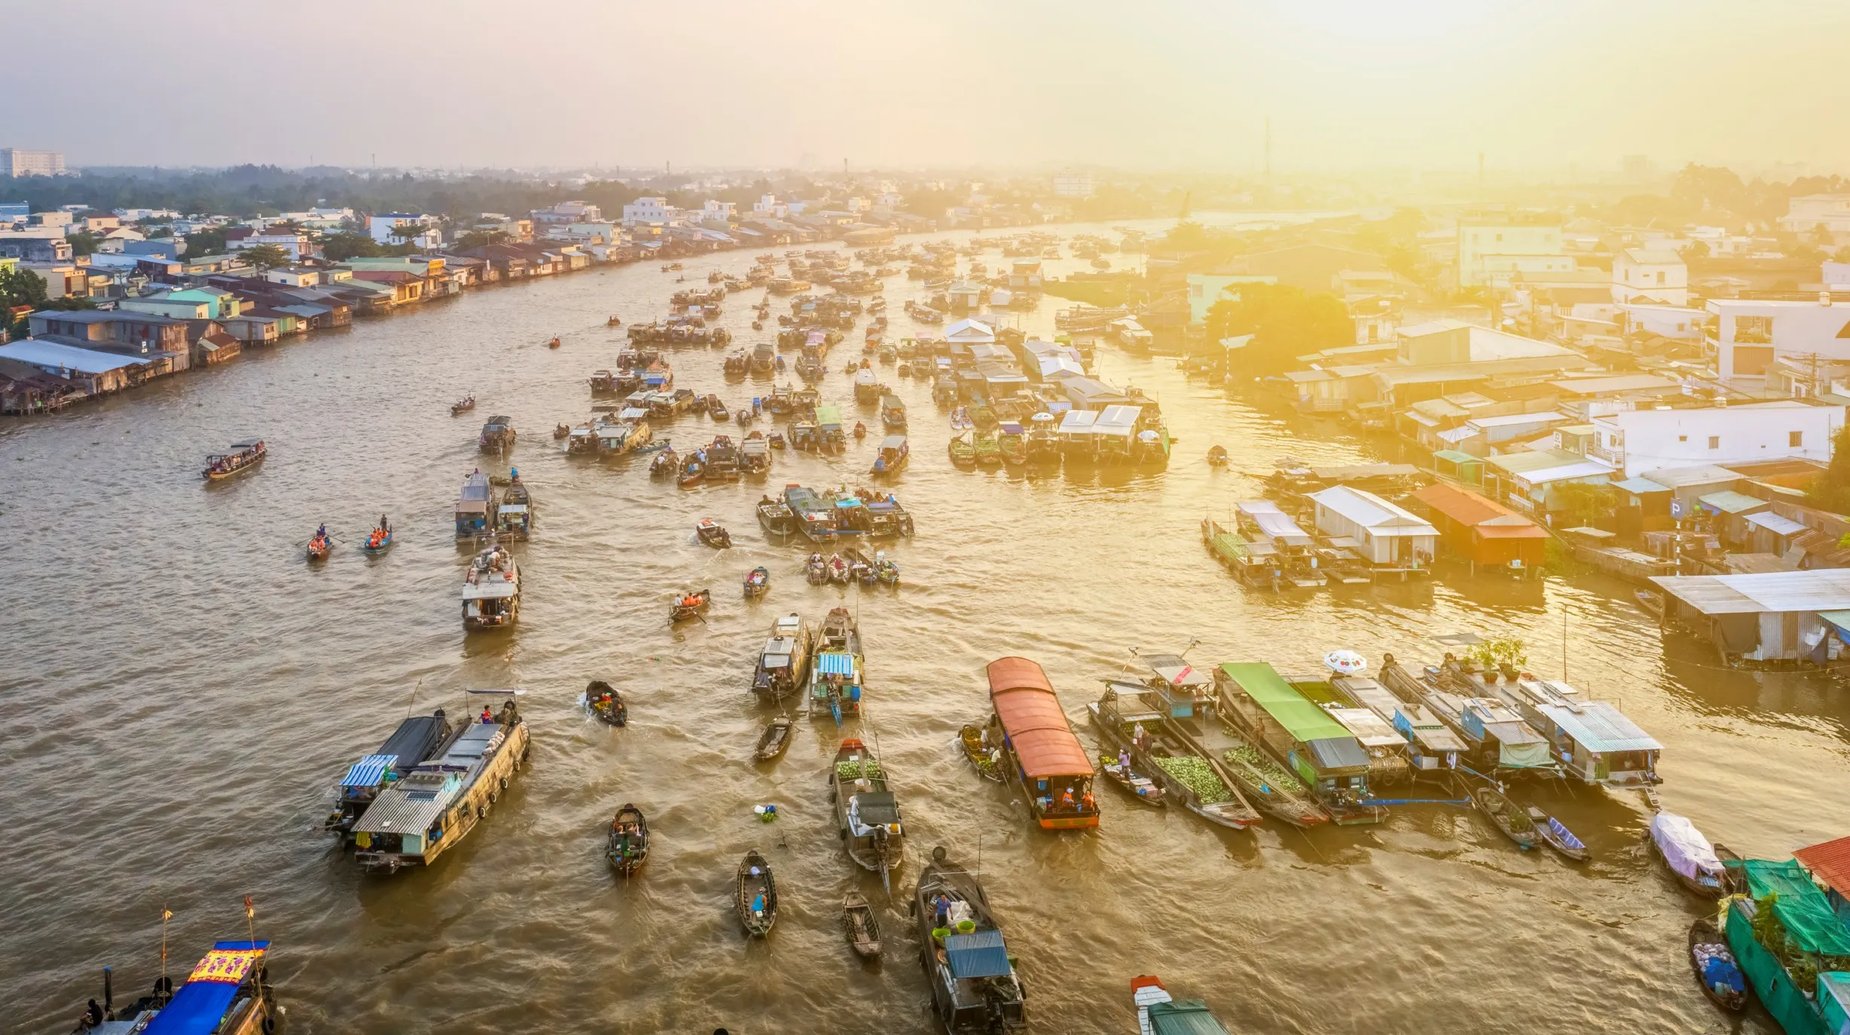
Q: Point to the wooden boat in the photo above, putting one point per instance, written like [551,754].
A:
[774,739]
[628,847]
[414,740]
[1159,1013]
[952,915]
[491,589]
[777,440]
[229,992]
[689,605]
[560,431]
[379,540]
[1715,967]
[712,533]
[1688,854]
[318,546]
[867,813]
[963,452]
[1217,457]
[1734,871]
[976,752]
[1505,816]
[717,410]
[1142,788]
[816,570]
[860,926]
[665,464]
[757,581]
[1555,835]
[552,342]
[756,897]
[860,431]
[693,470]
[498,435]
[840,571]
[462,406]
[606,702]
[244,458]
[614,321]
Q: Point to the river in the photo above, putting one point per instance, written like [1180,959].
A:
[185,691]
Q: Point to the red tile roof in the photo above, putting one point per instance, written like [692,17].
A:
[1477,512]
[1829,861]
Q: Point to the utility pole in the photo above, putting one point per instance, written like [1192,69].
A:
[1268,149]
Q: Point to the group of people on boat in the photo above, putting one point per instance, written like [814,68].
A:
[381,532]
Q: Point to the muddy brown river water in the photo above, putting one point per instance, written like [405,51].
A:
[183,692]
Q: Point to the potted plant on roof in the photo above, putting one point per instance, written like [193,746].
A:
[1503,654]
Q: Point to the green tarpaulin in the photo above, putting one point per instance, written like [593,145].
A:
[1772,985]
[1802,909]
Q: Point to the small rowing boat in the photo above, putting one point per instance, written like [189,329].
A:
[1715,967]
[756,895]
[462,406]
[712,533]
[757,581]
[606,702]
[774,739]
[1555,835]
[318,546]
[1131,782]
[1505,816]
[379,540]
[860,926]
[978,753]
[628,847]
[689,605]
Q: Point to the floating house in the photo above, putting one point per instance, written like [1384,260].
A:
[1764,618]
[1384,534]
[1592,741]
[1481,531]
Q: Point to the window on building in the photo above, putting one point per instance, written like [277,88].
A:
[1715,441]
[1795,439]
[1753,329]
[1682,438]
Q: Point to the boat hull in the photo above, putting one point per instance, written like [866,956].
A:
[471,809]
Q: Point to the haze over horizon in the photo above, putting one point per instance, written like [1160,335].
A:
[1346,85]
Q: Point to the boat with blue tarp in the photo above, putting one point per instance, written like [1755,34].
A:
[228,993]
[813,516]
[835,671]
[473,507]
[974,986]
[415,740]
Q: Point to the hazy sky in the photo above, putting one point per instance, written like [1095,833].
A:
[1347,84]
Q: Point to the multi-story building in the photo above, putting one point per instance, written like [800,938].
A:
[1650,276]
[18,161]
[1641,440]
[648,210]
[1492,246]
[1811,213]
[384,229]
[1747,335]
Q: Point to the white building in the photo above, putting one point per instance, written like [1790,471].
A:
[1650,275]
[1385,533]
[1678,323]
[648,210]
[1640,441]
[17,161]
[1073,185]
[1491,248]
[1811,212]
[768,205]
[716,212]
[383,229]
[1749,334]
[297,246]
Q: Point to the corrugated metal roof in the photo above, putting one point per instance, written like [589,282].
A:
[1600,726]
[1371,511]
[368,771]
[1774,523]
[51,354]
[835,663]
[1812,590]
[1731,502]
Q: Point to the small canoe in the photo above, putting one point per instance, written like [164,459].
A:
[860,925]
[318,547]
[1506,817]
[1716,969]
[757,581]
[756,895]
[606,702]
[712,533]
[1555,835]
[774,740]
[1144,789]
[462,407]
[689,605]
[615,321]
[560,431]
[1217,457]
[971,738]
[377,544]
[553,342]
[628,847]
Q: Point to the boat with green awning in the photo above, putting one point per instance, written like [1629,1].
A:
[1307,739]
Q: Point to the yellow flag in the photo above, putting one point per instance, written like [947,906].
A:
[166,914]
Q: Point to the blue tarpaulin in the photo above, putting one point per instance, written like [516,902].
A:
[979,954]
[200,1004]
[835,664]
[368,771]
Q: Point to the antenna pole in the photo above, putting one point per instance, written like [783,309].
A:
[1563,641]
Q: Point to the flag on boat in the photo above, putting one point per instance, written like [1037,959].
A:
[250,908]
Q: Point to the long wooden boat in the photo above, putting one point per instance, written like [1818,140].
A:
[606,703]
[755,895]
[243,458]
[1126,717]
[1270,711]
[228,992]
[434,807]
[837,669]
[983,758]
[1714,966]
[628,844]
[1040,753]
[774,739]
[1505,816]
[1689,856]
[1139,787]
[1555,835]
[783,661]
[415,740]
[1159,1013]
[974,987]
[867,813]
[860,926]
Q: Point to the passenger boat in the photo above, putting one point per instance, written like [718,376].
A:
[1555,835]
[860,926]
[755,455]
[497,435]
[984,759]
[243,458]
[974,987]
[866,810]
[491,590]
[892,457]
[893,412]
[413,742]
[1689,855]
[1053,771]
[415,820]
[1158,1013]
[628,845]
[318,546]
[1043,443]
[1505,816]
[603,383]
[228,992]
[835,671]
[689,605]
[755,897]
[867,387]
[606,703]
[783,661]
[774,739]
[1715,967]
[737,364]
[712,533]
[462,406]
[473,505]
[514,515]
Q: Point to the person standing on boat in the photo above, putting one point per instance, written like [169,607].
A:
[487,716]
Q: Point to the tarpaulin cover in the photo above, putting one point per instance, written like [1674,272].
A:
[200,1004]
[832,663]
[1684,847]
[1030,714]
[1802,909]
[979,954]
[368,771]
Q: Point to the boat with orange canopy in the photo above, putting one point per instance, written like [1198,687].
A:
[1041,752]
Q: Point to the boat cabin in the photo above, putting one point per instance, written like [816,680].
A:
[784,659]
[1042,754]
[1592,741]
[1300,734]
[892,456]
[415,819]
[1431,747]
[814,518]
[415,740]
[473,506]
[1175,687]
[1112,434]
[1505,740]
[835,684]
[228,993]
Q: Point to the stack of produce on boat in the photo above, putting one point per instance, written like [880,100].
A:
[606,703]
[1195,774]
[491,589]
[627,847]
